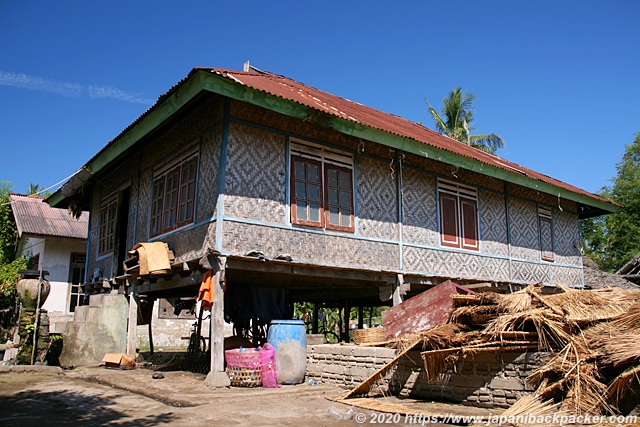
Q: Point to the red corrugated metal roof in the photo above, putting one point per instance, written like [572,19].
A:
[286,88]
[34,216]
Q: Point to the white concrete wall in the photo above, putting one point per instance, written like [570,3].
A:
[56,260]
[55,256]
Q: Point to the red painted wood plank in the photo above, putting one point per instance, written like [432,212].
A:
[422,312]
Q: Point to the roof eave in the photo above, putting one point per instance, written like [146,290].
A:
[156,115]
[206,79]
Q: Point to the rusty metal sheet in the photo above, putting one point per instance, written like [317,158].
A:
[422,312]
[34,216]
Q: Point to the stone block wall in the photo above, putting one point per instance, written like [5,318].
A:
[491,380]
[345,365]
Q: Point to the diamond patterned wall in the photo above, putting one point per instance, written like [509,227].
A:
[255,190]
[454,264]
[530,272]
[571,276]
[567,241]
[419,208]
[255,176]
[377,201]
[523,220]
[493,224]
[209,174]
[239,238]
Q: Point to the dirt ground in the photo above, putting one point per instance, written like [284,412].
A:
[96,396]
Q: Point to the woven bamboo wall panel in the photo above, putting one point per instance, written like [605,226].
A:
[144,206]
[306,129]
[131,226]
[94,219]
[567,276]
[493,226]
[566,238]
[419,208]
[377,200]
[451,264]
[177,134]
[191,243]
[239,238]
[255,181]
[121,175]
[454,173]
[94,234]
[523,220]
[529,272]
[546,199]
[209,174]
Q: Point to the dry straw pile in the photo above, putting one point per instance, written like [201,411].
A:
[593,336]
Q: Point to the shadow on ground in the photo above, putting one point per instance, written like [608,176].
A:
[26,409]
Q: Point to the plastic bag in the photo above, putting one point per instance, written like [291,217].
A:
[268,364]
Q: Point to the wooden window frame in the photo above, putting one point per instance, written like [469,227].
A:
[108,214]
[173,195]
[341,190]
[545,221]
[459,223]
[342,164]
[304,198]
[76,278]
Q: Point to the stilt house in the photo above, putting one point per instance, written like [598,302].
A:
[287,193]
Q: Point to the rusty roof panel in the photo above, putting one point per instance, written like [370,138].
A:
[34,216]
[292,90]
[286,88]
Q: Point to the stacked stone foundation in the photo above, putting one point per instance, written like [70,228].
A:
[490,380]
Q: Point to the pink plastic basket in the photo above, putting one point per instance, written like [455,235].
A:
[243,367]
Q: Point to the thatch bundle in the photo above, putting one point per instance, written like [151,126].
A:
[583,307]
[594,335]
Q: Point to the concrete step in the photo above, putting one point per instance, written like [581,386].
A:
[80,314]
[96,300]
[58,327]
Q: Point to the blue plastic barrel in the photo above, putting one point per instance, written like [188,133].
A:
[289,338]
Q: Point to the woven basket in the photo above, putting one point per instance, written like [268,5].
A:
[366,336]
[243,367]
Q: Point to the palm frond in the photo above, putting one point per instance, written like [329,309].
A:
[489,143]
[441,126]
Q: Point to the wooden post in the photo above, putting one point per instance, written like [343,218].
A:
[397,290]
[132,326]
[314,325]
[217,377]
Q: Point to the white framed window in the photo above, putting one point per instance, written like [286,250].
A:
[322,188]
[173,194]
[76,278]
[458,205]
[108,213]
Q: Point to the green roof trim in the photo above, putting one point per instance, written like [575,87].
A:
[203,80]
[416,147]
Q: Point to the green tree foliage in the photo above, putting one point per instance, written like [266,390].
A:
[8,280]
[9,266]
[36,190]
[456,118]
[8,229]
[613,240]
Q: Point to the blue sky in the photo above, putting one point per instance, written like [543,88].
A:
[558,80]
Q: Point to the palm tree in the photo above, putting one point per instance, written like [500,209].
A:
[35,190]
[458,116]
